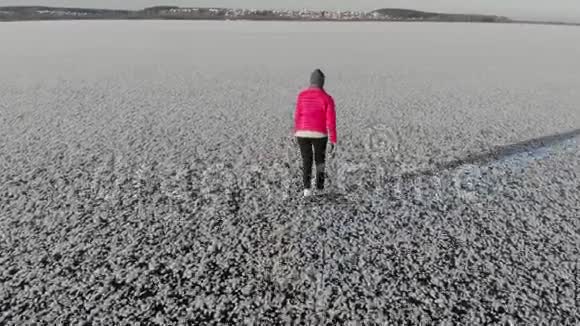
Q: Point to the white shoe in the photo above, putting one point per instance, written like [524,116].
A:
[307,192]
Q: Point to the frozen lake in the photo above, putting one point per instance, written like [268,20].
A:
[146,173]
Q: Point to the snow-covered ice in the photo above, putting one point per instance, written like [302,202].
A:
[146,174]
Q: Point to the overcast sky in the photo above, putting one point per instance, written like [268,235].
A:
[568,10]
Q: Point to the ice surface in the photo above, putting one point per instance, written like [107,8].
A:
[146,174]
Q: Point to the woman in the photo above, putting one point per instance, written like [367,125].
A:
[314,123]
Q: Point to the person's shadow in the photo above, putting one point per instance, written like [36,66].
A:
[495,154]
[336,198]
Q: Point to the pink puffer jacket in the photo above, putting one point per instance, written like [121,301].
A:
[315,112]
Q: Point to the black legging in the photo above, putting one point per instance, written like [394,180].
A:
[319,146]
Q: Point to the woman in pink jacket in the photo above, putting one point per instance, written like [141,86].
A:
[314,124]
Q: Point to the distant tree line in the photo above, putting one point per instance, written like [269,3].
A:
[433,16]
[16,13]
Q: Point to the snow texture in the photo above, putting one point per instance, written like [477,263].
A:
[147,174]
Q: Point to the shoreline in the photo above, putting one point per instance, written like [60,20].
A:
[515,22]
[385,15]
